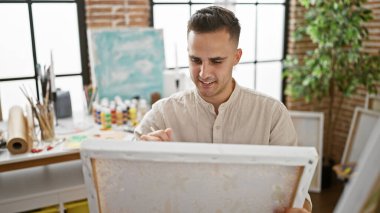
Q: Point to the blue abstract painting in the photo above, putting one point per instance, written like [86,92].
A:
[127,62]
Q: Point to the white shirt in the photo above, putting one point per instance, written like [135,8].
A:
[247,117]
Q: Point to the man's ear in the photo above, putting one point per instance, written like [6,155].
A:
[238,54]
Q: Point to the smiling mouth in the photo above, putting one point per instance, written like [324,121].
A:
[206,83]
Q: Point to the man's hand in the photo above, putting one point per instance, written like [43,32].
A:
[306,208]
[296,210]
[158,135]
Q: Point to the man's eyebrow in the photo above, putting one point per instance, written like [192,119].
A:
[212,58]
[217,58]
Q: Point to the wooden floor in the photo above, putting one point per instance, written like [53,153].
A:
[326,200]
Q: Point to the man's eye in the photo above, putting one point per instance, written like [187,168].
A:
[217,62]
[196,60]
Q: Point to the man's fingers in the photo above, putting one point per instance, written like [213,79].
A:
[149,138]
[169,133]
[162,134]
[296,210]
[159,135]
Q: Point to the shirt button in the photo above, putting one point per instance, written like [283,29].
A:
[217,127]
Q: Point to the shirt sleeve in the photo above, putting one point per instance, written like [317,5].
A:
[153,118]
[282,130]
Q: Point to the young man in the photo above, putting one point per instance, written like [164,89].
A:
[218,110]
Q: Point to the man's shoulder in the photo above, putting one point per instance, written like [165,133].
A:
[257,97]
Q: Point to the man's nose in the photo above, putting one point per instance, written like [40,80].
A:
[204,70]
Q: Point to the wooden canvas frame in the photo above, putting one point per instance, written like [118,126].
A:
[99,156]
[362,124]
[372,102]
[366,177]
[309,128]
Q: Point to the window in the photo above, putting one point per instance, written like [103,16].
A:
[262,38]
[32,31]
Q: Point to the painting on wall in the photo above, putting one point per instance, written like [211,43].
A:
[127,62]
[132,176]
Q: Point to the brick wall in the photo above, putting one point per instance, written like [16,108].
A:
[344,118]
[117,13]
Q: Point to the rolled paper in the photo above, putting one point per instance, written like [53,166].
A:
[1,113]
[18,140]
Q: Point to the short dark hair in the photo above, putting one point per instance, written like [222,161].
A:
[214,18]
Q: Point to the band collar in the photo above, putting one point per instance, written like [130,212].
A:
[232,99]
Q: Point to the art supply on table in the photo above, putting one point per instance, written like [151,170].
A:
[74,142]
[62,104]
[1,113]
[119,116]
[18,140]
[125,109]
[55,144]
[133,115]
[116,112]
[90,93]
[44,112]
[48,131]
[113,113]
[142,109]
[3,142]
[47,146]
[105,118]
[110,135]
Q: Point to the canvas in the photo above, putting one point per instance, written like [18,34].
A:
[372,102]
[362,124]
[127,62]
[309,128]
[123,176]
[362,193]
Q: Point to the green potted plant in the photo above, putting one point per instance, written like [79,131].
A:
[337,64]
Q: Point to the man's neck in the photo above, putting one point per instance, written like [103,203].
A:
[217,104]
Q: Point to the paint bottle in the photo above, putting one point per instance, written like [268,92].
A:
[126,107]
[133,115]
[106,118]
[98,110]
[103,118]
[119,116]
[118,100]
[113,112]
[142,109]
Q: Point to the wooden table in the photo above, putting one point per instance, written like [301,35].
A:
[9,162]
[36,180]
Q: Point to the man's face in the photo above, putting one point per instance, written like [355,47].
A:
[211,58]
